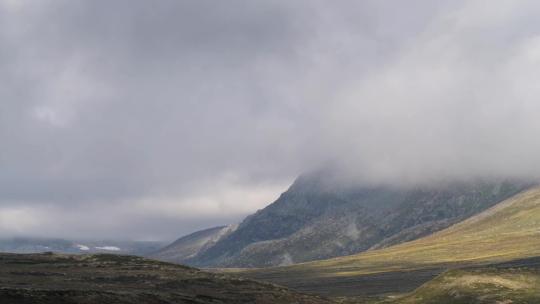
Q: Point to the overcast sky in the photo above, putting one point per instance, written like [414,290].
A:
[152,119]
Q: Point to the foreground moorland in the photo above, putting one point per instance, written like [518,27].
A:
[89,279]
[107,279]
[508,231]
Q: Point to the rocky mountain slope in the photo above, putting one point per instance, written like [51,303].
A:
[505,232]
[108,279]
[318,219]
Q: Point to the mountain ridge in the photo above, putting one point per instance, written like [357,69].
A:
[507,232]
[317,218]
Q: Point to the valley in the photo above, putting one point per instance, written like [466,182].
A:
[269,152]
[489,257]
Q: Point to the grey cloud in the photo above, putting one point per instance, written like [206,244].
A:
[104,103]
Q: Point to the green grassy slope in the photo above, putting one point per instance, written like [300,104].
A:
[478,286]
[508,231]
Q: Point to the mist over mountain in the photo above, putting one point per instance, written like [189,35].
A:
[361,151]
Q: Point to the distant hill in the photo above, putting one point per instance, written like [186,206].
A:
[189,246]
[508,231]
[117,279]
[36,245]
[317,218]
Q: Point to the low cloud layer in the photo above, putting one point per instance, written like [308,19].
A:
[130,119]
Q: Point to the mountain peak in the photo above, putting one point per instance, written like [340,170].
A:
[318,218]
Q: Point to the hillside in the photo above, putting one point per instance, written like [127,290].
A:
[189,246]
[108,279]
[510,230]
[516,282]
[319,218]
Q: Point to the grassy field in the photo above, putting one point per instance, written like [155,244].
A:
[479,286]
[508,231]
